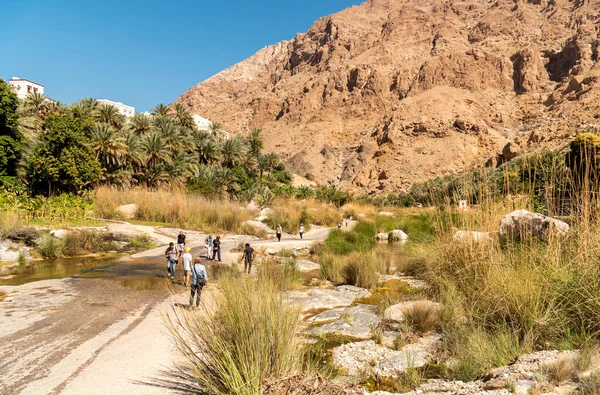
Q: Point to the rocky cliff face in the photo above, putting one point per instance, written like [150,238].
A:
[391,92]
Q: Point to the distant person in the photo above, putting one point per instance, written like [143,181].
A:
[187,261]
[217,248]
[278,232]
[171,254]
[339,225]
[247,257]
[199,280]
[181,242]
[301,231]
[346,222]
[208,243]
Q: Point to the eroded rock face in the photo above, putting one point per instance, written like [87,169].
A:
[522,223]
[376,104]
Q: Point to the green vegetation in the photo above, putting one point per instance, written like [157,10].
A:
[240,344]
[10,136]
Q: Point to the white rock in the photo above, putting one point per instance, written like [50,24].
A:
[356,322]
[128,211]
[469,235]
[397,235]
[319,298]
[398,311]
[59,233]
[305,265]
[252,206]
[266,211]
[382,236]
[386,213]
[261,218]
[522,223]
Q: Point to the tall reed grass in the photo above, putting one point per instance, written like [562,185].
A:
[291,213]
[245,340]
[173,207]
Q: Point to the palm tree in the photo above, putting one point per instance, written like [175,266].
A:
[183,117]
[233,151]
[57,107]
[214,128]
[208,151]
[140,124]
[37,104]
[86,107]
[107,113]
[156,152]
[170,133]
[160,110]
[110,147]
[255,142]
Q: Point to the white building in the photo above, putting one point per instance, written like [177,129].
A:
[201,122]
[25,87]
[124,109]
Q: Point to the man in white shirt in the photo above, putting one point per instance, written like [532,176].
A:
[187,262]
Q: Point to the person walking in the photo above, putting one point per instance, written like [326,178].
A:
[278,232]
[171,254]
[187,262]
[301,231]
[208,242]
[247,257]
[217,248]
[339,225]
[181,242]
[199,280]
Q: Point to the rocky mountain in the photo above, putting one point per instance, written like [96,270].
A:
[390,92]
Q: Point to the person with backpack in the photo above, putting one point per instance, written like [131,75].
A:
[217,248]
[301,231]
[199,280]
[247,257]
[171,254]
[208,243]
[187,261]
[278,232]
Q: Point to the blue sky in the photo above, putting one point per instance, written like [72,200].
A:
[141,52]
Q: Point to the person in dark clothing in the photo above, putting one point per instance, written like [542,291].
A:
[217,248]
[181,242]
[247,258]
[278,232]
[199,280]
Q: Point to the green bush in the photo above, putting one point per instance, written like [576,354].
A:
[361,238]
[50,246]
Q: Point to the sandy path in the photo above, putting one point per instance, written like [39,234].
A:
[96,336]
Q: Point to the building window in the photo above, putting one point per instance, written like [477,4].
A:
[28,88]
[34,90]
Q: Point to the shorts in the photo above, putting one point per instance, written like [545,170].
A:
[180,247]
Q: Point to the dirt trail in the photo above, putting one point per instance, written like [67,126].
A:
[98,335]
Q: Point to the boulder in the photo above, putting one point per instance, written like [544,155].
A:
[127,211]
[320,298]
[305,265]
[469,235]
[28,236]
[397,235]
[261,218]
[385,214]
[371,358]
[398,311]
[382,236]
[356,322]
[252,206]
[266,211]
[59,233]
[522,223]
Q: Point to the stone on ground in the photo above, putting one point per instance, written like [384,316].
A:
[382,236]
[59,233]
[356,322]
[399,311]
[321,298]
[475,236]
[397,235]
[305,265]
[522,223]
[386,214]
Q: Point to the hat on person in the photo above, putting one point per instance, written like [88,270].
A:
[188,249]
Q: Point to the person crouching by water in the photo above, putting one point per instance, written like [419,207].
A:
[171,253]
[278,232]
[187,262]
[199,280]
[217,248]
[247,257]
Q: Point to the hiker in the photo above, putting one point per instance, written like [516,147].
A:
[199,280]
[301,231]
[171,254]
[217,248]
[187,261]
[208,242]
[339,225]
[247,258]
[346,222]
[278,232]
[181,242]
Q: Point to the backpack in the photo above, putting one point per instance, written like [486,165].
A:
[200,280]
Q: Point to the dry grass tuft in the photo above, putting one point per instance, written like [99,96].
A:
[423,316]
